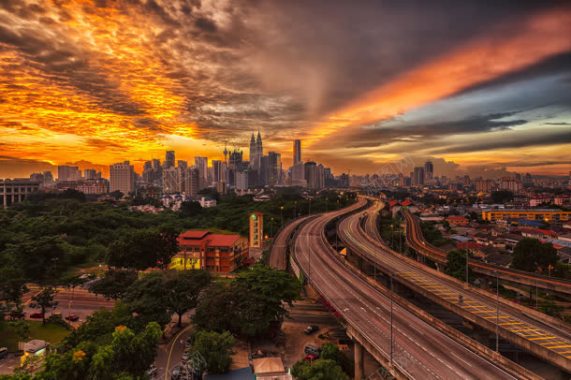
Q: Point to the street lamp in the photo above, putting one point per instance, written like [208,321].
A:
[282,215]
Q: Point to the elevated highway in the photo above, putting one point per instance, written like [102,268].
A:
[542,335]
[406,345]
[278,258]
[416,241]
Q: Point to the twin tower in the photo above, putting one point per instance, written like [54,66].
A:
[256,152]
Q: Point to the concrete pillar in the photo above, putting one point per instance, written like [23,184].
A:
[359,366]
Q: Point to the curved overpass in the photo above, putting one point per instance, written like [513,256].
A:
[416,241]
[419,350]
[545,336]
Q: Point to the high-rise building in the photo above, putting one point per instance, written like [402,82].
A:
[242,180]
[171,182]
[311,175]
[182,164]
[91,174]
[296,151]
[256,152]
[201,163]
[418,176]
[298,175]
[191,182]
[169,159]
[217,171]
[428,171]
[68,173]
[274,169]
[122,177]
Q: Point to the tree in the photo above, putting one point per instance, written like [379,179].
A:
[215,348]
[12,286]
[22,329]
[190,208]
[183,288]
[45,299]
[142,249]
[534,256]
[330,351]
[318,370]
[114,283]
[456,264]
[147,299]
[41,260]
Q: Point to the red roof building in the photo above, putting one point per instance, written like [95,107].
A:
[456,220]
[201,249]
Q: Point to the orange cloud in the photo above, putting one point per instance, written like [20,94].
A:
[508,50]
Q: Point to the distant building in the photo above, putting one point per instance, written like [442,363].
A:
[547,215]
[274,169]
[169,159]
[242,182]
[191,182]
[207,202]
[298,175]
[256,230]
[296,151]
[201,163]
[201,249]
[16,190]
[428,171]
[171,183]
[91,174]
[93,186]
[122,178]
[418,176]
[68,173]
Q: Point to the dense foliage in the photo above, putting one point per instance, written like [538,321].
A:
[248,305]
[534,256]
[432,234]
[215,349]
[456,264]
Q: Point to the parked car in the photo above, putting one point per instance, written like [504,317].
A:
[311,357]
[36,315]
[72,318]
[3,352]
[309,349]
[311,329]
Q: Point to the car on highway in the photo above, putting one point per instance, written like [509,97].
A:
[311,329]
[72,318]
[36,315]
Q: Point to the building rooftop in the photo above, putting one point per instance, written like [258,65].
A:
[200,237]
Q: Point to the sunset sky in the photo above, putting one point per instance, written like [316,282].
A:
[476,85]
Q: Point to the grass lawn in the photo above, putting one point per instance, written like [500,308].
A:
[50,332]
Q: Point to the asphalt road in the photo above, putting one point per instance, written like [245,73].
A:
[278,253]
[420,351]
[481,305]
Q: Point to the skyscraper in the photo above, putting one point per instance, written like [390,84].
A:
[418,176]
[171,182]
[256,152]
[191,182]
[169,159]
[201,163]
[296,151]
[428,171]
[122,177]
[274,169]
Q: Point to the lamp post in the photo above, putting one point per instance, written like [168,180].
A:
[282,215]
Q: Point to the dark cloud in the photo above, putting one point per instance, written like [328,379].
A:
[533,139]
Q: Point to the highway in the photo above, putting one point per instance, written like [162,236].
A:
[419,350]
[278,253]
[416,241]
[538,333]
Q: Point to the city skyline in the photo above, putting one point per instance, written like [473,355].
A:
[105,82]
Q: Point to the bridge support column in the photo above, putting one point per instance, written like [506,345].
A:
[359,365]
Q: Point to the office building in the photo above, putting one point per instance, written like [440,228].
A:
[93,186]
[171,183]
[428,171]
[122,178]
[242,180]
[256,152]
[89,174]
[201,163]
[169,159]
[296,151]
[418,176]
[298,175]
[191,182]
[274,169]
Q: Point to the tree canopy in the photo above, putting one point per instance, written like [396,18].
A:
[534,256]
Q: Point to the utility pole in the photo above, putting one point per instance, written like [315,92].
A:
[467,257]
[392,335]
[497,312]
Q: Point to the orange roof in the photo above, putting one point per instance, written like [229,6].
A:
[194,238]
[193,234]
